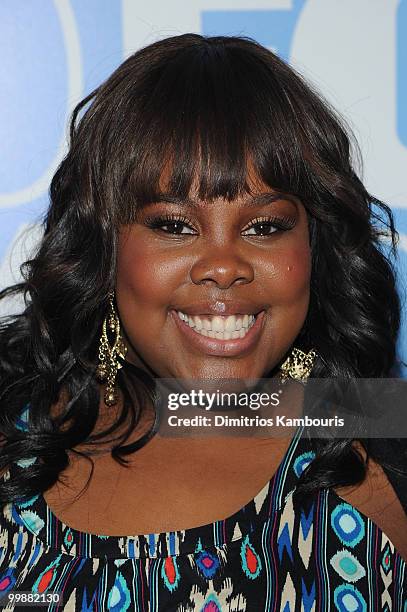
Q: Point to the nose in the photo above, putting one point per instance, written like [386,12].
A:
[223,268]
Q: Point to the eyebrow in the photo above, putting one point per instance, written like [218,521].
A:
[256,200]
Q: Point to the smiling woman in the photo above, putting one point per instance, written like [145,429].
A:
[208,224]
[248,259]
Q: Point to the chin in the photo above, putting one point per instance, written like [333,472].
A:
[217,371]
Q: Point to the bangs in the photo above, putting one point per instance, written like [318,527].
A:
[208,117]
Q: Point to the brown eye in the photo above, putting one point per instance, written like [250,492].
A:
[175,227]
[268,225]
[261,229]
[170,225]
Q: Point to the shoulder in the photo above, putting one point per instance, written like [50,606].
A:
[378,500]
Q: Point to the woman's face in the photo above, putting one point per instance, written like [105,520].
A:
[238,273]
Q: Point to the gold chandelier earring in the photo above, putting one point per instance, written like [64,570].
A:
[112,352]
[298,365]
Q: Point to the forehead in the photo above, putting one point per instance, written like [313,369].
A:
[166,172]
[255,192]
[196,182]
[247,201]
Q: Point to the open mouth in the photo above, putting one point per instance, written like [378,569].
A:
[232,335]
[220,327]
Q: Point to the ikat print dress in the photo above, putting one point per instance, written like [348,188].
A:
[265,557]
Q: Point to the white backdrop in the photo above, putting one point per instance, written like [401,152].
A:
[55,51]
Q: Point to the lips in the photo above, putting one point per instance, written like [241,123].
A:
[221,346]
[216,326]
[221,307]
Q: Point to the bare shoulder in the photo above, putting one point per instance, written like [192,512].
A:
[376,498]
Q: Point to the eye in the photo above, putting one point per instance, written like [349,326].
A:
[169,224]
[266,226]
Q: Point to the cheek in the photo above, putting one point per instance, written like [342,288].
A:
[145,277]
[291,274]
[290,288]
[298,271]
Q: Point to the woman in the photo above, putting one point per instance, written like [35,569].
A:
[206,223]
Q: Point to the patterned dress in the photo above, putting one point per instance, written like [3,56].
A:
[327,556]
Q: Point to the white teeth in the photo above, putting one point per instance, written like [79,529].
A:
[230,324]
[223,328]
[217,324]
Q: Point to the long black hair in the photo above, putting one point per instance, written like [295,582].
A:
[201,106]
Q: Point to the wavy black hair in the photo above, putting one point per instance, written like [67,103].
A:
[202,107]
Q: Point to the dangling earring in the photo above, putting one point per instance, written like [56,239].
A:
[298,365]
[110,355]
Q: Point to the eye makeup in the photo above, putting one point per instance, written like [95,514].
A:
[179,222]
